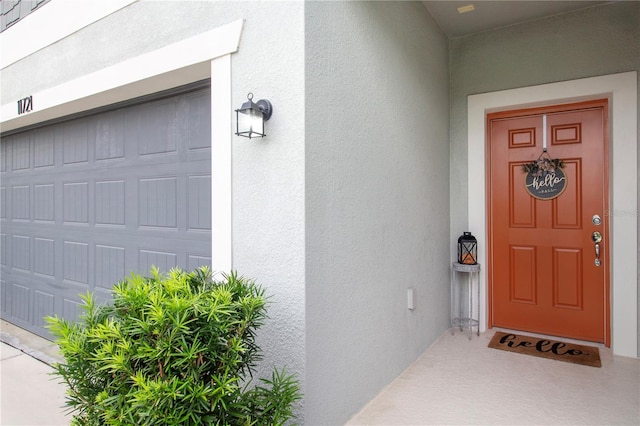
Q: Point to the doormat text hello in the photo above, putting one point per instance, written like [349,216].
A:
[546,348]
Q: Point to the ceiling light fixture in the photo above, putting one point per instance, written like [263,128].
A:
[467,8]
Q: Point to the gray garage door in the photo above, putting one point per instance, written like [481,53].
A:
[87,201]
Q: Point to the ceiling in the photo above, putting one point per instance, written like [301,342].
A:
[491,14]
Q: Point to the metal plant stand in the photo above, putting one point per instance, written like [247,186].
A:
[461,320]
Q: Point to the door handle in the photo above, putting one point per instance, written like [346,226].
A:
[597,237]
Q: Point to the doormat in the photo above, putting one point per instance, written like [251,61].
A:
[545,348]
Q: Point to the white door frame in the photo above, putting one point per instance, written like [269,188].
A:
[621,90]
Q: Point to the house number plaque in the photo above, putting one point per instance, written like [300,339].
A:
[25,105]
[546,185]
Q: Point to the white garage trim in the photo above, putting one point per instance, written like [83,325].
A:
[206,55]
[221,130]
[621,89]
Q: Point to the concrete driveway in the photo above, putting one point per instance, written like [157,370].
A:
[29,394]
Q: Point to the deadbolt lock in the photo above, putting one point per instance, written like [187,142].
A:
[596,219]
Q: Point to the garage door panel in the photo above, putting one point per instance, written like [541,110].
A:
[21,252]
[154,127]
[76,261]
[197,260]
[3,203]
[199,202]
[110,265]
[158,202]
[43,305]
[20,153]
[4,148]
[162,260]
[110,202]
[20,300]
[87,202]
[74,138]
[75,202]
[44,256]
[4,253]
[108,132]
[44,196]
[4,305]
[20,195]
[71,309]
[44,148]
[199,110]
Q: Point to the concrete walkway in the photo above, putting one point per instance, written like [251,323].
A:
[456,382]
[29,394]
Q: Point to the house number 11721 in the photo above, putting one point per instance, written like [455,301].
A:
[25,105]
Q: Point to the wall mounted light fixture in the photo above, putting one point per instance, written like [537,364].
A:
[250,117]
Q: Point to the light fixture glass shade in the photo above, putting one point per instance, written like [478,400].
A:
[250,123]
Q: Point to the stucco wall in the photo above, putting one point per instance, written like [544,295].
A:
[591,42]
[268,175]
[377,161]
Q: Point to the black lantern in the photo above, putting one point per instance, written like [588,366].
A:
[467,249]
[250,117]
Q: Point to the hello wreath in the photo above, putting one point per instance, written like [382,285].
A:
[544,178]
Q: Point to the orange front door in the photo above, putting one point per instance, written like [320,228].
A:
[543,275]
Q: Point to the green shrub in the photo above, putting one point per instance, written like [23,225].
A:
[174,349]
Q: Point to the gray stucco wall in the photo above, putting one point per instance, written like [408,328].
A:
[377,161]
[268,175]
[591,42]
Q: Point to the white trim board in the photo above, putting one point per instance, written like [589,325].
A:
[221,178]
[206,55]
[621,89]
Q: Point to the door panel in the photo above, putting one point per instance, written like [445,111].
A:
[542,275]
